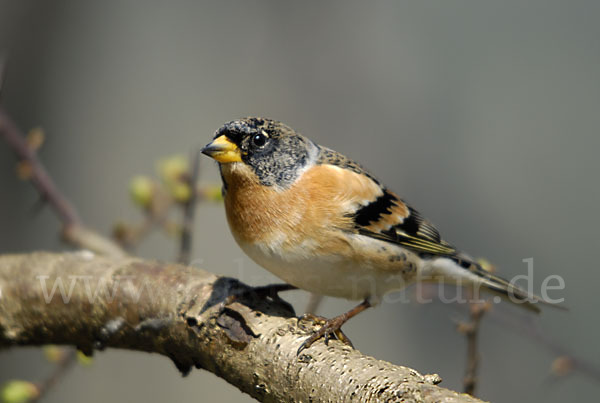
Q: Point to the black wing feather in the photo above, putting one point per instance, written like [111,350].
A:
[413,232]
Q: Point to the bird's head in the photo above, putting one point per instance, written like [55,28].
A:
[273,151]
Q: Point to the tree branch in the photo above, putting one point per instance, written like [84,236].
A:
[176,311]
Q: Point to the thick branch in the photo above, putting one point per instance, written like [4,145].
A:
[174,310]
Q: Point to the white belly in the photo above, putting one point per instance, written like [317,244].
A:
[339,276]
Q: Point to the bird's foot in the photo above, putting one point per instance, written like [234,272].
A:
[329,328]
[333,326]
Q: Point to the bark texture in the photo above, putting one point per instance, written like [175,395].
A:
[177,311]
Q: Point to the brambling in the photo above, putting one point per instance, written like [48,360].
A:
[322,223]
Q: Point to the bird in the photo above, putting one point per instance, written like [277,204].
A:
[322,223]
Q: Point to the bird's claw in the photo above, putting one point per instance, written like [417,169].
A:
[329,328]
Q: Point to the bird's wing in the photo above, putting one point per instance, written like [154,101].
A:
[390,219]
[385,216]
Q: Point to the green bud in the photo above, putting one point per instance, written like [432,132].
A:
[53,353]
[142,190]
[181,192]
[172,169]
[18,392]
[84,360]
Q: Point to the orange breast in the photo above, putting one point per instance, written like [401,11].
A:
[314,208]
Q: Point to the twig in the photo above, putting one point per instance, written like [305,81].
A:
[526,327]
[188,212]
[471,331]
[74,230]
[130,236]
[39,177]
[62,366]
[522,323]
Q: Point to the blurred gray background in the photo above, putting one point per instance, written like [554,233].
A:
[485,115]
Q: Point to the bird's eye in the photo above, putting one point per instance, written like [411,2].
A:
[259,140]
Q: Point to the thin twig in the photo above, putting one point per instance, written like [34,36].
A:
[39,177]
[523,324]
[130,236]
[471,331]
[527,327]
[74,231]
[188,212]
[62,366]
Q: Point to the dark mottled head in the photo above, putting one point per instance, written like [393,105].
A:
[274,151]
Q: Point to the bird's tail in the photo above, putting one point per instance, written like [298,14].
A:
[476,274]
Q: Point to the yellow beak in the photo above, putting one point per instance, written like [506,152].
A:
[223,150]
